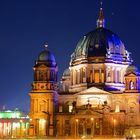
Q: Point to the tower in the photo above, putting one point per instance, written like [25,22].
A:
[132,80]
[132,96]
[42,95]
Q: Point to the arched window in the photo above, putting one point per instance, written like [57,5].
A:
[131,85]
[91,75]
[96,76]
[68,106]
[132,107]
[60,108]
[117,108]
[84,75]
[43,106]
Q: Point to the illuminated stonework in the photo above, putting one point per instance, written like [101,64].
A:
[43,95]
[98,95]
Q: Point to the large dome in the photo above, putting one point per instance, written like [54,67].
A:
[100,43]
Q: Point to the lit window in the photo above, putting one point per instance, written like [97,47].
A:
[131,109]
[70,108]
[60,108]
[96,46]
[117,109]
[131,85]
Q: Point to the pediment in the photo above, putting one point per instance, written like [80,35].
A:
[93,90]
[131,75]
[42,65]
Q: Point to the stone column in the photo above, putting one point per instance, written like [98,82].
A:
[51,125]
[112,75]
[78,77]
[100,75]
[36,105]
[37,127]
[71,74]
[73,77]
[100,121]
[93,76]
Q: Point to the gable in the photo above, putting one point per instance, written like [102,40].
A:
[131,75]
[93,90]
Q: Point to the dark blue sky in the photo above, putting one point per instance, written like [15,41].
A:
[26,24]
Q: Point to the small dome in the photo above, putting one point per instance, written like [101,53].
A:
[46,56]
[132,69]
[66,72]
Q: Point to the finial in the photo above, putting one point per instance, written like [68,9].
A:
[88,101]
[101,20]
[101,4]
[46,45]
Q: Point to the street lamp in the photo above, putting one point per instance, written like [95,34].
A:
[76,128]
[114,126]
[24,130]
[21,128]
[92,126]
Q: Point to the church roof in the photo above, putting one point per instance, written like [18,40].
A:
[66,72]
[132,69]
[100,42]
[46,56]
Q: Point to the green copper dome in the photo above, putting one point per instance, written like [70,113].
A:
[66,72]
[132,69]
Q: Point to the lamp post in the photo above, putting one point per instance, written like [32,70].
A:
[114,127]
[21,128]
[92,127]
[76,128]
[24,130]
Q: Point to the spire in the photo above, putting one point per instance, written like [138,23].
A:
[101,20]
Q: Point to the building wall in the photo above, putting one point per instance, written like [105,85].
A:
[13,124]
[122,112]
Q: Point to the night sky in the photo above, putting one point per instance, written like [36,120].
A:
[25,25]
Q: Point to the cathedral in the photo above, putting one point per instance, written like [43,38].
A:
[99,92]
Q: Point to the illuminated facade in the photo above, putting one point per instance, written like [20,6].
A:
[99,92]
[13,124]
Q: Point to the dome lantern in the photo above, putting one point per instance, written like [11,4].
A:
[101,19]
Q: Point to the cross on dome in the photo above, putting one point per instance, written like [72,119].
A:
[46,45]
